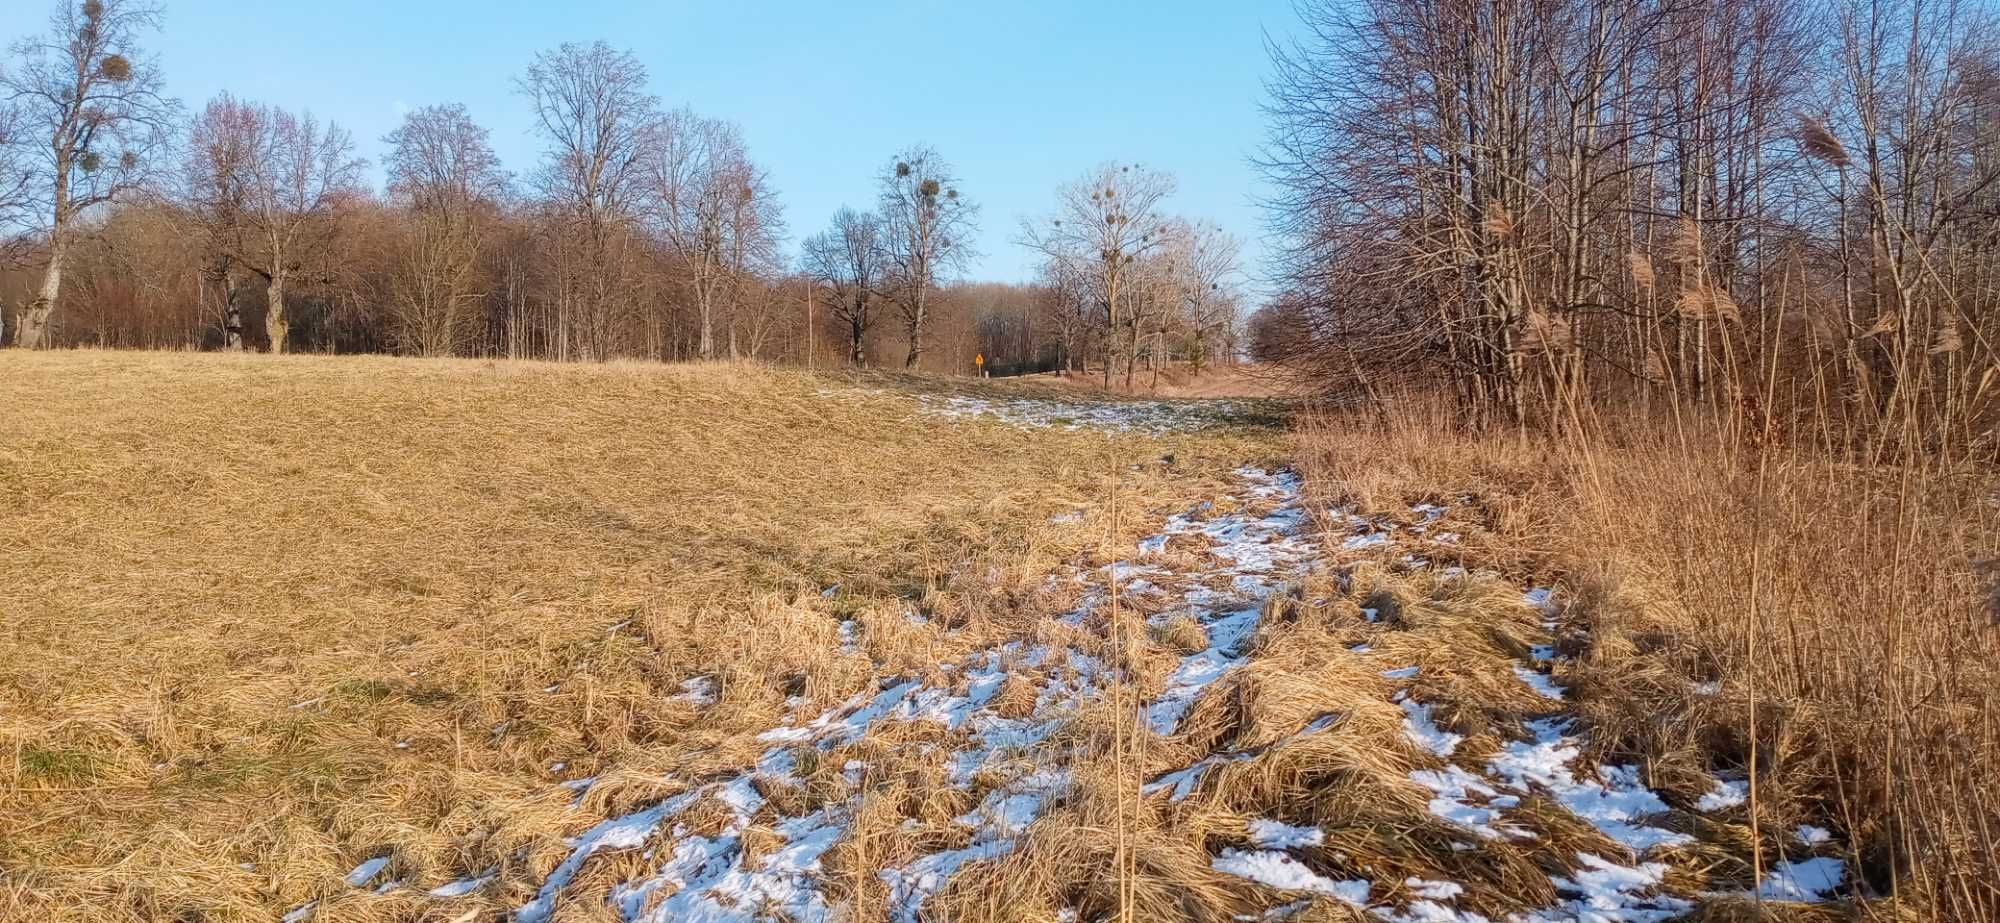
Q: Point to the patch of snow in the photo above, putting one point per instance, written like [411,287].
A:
[1422,731]
[1281,871]
[1402,673]
[910,885]
[1540,682]
[1809,880]
[1611,893]
[1271,834]
[461,887]
[366,871]
[1468,801]
[1434,890]
[1615,802]
[1148,417]
[1724,795]
[1813,836]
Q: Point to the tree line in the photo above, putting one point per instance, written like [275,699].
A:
[1779,210]
[642,231]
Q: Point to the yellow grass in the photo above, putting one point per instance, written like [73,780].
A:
[270,617]
[1849,607]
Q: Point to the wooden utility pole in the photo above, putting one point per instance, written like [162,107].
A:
[809,323]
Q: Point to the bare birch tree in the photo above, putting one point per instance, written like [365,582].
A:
[928,230]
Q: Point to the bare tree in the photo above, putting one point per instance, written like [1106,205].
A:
[216,193]
[714,209]
[1070,304]
[271,183]
[928,231]
[1108,220]
[847,261]
[592,106]
[16,198]
[92,117]
[1208,271]
[443,171]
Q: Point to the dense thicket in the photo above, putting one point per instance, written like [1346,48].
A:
[1752,246]
[1542,204]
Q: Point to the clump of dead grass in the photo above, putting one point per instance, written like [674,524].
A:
[1856,587]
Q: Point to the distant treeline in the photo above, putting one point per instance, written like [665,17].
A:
[642,232]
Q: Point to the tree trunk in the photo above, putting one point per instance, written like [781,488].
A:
[855,335]
[35,332]
[275,323]
[916,332]
[1132,359]
[706,349]
[232,315]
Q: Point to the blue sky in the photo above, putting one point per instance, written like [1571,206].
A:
[1020,96]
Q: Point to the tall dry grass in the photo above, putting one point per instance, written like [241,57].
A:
[269,617]
[1845,612]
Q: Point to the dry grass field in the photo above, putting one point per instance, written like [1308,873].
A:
[367,639]
[267,618]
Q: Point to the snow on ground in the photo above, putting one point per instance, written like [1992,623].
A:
[1263,553]
[1614,799]
[1807,880]
[1281,871]
[1424,732]
[1726,794]
[714,874]
[366,871]
[1150,417]
[1272,834]
[708,877]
